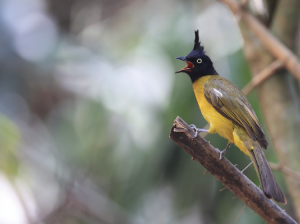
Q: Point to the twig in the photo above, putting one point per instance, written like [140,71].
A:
[286,170]
[246,167]
[272,44]
[227,174]
[223,189]
[240,213]
[262,76]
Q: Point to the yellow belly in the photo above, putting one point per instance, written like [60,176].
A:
[218,123]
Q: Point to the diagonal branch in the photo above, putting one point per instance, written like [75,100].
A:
[272,44]
[227,174]
[286,170]
[262,76]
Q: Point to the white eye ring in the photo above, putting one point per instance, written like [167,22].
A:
[199,60]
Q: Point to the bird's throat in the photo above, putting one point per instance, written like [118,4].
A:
[195,76]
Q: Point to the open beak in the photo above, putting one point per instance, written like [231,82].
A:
[189,65]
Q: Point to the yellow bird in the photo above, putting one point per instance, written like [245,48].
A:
[229,114]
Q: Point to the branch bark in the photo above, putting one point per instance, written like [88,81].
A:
[271,43]
[204,153]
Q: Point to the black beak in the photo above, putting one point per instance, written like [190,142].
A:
[181,58]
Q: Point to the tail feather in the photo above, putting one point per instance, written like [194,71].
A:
[269,184]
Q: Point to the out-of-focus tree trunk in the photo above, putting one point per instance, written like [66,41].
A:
[279,96]
[271,6]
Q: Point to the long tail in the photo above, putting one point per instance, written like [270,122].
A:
[268,182]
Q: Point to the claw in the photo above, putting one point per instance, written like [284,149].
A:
[221,155]
[197,130]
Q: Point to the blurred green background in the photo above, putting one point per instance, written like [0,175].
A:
[88,95]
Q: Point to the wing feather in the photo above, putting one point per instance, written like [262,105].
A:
[229,101]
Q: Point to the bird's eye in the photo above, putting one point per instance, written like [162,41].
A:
[199,60]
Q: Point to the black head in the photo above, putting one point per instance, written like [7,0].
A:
[198,63]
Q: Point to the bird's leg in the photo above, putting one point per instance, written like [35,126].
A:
[224,151]
[246,167]
[197,130]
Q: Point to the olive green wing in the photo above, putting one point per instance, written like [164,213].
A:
[229,101]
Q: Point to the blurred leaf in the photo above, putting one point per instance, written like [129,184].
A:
[9,142]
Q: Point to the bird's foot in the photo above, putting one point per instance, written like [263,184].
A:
[224,151]
[221,154]
[197,130]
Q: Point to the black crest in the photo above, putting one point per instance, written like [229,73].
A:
[197,44]
[198,63]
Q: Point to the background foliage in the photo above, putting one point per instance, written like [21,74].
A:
[88,95]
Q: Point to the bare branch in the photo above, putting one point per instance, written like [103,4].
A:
[262,76]
[240,213]
[227,174]
[286,170]
[272,44]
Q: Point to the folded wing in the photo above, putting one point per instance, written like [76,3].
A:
[229,101]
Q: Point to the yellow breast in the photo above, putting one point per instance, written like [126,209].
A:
[218,123]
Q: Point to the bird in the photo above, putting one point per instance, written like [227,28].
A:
[229,113]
